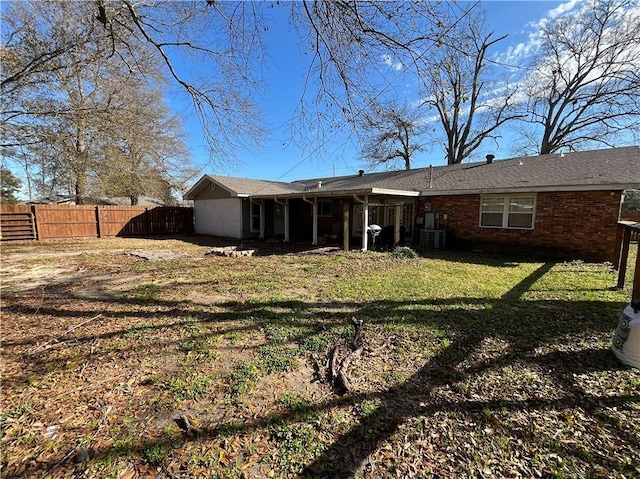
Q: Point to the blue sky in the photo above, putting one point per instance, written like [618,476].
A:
[280,160]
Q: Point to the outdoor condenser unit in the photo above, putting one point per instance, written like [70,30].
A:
[432,238]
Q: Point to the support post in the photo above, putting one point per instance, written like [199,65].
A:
[365,224]
[396,229]
[624,256]
[315,221]
[635,293]
[345,227]
[286,220]
[314,209]
[618,246]
[262,219]
[285,205]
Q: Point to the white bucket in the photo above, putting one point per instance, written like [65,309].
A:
[626,342]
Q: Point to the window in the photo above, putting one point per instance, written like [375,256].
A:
[255,217]
[324,208]
[507,212]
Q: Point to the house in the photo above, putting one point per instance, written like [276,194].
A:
[561,205]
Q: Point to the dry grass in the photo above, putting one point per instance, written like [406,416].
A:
[474,366]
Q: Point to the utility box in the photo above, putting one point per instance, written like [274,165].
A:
[432,239]
[626,342]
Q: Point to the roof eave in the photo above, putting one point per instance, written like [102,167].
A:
[201,184]
[347,192]
[385,191]
[532,189]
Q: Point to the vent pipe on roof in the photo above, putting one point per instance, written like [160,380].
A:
[490,159]
[360,172]
[319,184]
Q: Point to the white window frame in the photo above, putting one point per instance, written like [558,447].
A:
[506,201]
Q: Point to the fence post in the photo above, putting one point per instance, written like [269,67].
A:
[98,228]
[35,222]
[147,213]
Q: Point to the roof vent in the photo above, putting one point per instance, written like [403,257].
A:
[319,184]
[360,172]
[490,159]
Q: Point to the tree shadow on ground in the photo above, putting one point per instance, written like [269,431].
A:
[334,463]
[524,325]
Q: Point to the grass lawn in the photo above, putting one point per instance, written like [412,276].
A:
[471,366]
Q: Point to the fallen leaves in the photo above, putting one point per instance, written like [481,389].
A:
[447,385]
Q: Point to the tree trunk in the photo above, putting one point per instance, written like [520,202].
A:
[80,167]
[81,187]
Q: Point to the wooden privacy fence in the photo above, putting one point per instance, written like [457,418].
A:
[17,222]
[23,222]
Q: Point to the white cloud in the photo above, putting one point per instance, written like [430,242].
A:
[563,8]
[627,59]
[394,65]
[515,55]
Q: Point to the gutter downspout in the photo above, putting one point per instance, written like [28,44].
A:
[285,203]
[314,209]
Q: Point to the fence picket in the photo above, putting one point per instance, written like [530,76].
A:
[85,221]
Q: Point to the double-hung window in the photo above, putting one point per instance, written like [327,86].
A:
[515,212]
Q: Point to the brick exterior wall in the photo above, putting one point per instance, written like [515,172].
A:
[568,225]
[630,215]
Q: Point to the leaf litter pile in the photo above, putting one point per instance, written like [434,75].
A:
[130,358]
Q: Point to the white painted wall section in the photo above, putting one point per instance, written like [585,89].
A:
[219,217]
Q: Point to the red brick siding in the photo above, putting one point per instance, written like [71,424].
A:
[573,225]
[630,215]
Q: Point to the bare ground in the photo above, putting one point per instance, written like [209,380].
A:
[107,342]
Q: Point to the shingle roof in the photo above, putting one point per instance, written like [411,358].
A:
[245,186]
[613,168]
[242,186]
[610,167]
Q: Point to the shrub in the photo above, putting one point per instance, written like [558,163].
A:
[401,252]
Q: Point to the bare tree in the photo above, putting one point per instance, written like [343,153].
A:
[584,86]
[348,44]
[358,49]
[89,100]
[144,147]
[52,101]
[217,37]
[390,133]
[469,105]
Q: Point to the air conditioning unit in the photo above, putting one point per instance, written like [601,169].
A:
[432,239]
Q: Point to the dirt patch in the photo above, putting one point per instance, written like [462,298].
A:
[103,351]
[27,271]
[157,255]
[23,272]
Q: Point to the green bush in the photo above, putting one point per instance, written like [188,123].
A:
[401,252]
